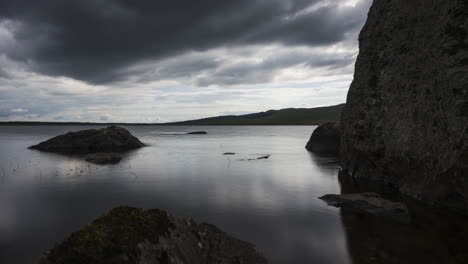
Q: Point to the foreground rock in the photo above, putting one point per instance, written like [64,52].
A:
[110,139]
[197,133]
[405,119]
[325,139]
[131,235]
[103,158]
[371,204]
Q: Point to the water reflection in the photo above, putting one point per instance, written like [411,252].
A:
[271,203]
[432,237]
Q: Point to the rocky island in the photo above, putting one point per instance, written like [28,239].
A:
[109,139]
[101,146]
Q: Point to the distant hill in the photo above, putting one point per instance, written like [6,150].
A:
[289,116]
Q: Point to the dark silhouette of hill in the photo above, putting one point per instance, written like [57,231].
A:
[289,116]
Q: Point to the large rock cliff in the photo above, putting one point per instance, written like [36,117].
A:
[405,124]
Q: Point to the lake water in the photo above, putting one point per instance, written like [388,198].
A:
[271,203]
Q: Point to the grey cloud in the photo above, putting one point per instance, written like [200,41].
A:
[200,98]
[264,71]
[176,68]
[96,41]
[4,74]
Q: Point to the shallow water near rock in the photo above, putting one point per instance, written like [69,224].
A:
[271,203]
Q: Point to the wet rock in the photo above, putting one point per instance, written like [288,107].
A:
[229,153]
[325,139]
[371,204]
[103,158]
[263,157]
[197,133]
[405,120]
[110,139]
[128,235]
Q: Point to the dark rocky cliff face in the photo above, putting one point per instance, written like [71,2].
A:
[405,123]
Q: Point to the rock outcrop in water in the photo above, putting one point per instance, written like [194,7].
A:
[128,235]
[370,204]
[110,139]
[405,123]
[197,133]
[325,139]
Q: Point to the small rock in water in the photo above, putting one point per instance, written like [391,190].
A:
[263,157]
[259,158]
[103,158]
[197,133]
[369,203]
[229,153]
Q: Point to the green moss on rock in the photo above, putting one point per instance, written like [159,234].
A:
[116,233]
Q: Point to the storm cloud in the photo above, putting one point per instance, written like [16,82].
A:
[75,60]
[94,41]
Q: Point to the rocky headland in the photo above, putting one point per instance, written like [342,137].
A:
[405,123]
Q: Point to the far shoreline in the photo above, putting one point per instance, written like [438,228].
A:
[21,123]
[283,117]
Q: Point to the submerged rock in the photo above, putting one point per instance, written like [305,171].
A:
[263,157]
[405,120]
[325,139]
[371,204]
[128,235]
[103,158]
[110,139]
[197,133]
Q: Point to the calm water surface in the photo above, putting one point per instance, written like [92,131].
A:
[271,203]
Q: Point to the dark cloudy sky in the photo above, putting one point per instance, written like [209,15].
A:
[158,61]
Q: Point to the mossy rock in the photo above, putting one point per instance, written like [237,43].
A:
[128,235]
[116,233]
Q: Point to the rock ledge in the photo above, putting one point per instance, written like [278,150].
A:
[371,204]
